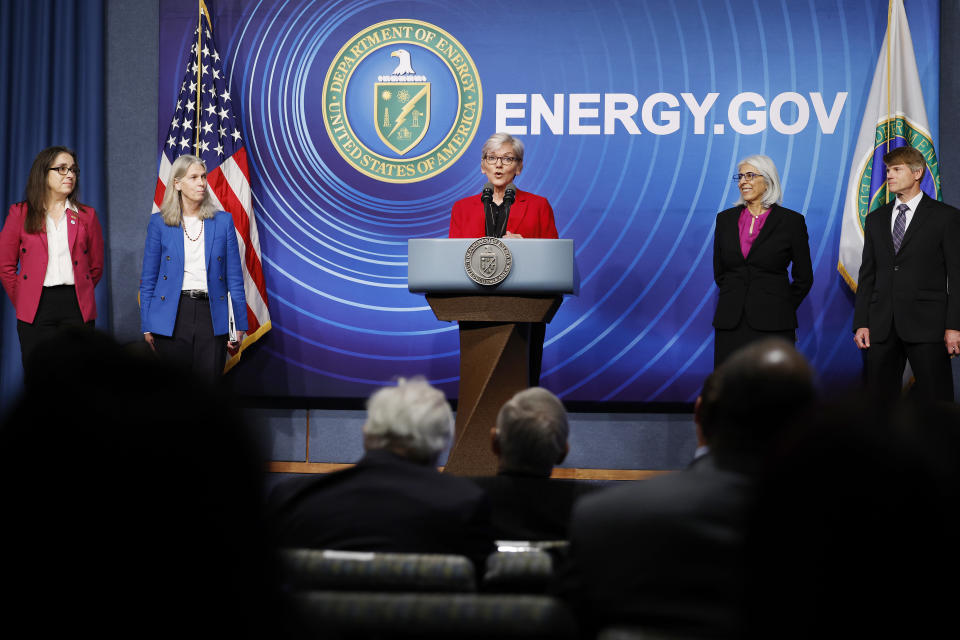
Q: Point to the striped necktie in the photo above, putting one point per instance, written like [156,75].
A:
[899,226]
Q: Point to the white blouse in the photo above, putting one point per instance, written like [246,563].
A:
[59,263]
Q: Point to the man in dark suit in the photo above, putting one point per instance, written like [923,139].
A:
[393,499]
[905,309]
[667,553]
[529,439]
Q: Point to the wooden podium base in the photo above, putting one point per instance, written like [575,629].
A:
[495,352]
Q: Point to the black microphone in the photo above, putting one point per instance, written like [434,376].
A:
[487,195]
[510,194]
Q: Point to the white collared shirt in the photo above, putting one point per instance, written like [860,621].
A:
[912,203]
[194,260]
[59,262]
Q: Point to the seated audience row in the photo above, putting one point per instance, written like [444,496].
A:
[802,519]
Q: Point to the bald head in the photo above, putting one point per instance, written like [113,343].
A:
[754,395]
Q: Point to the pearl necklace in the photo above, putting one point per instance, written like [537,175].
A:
[184,225]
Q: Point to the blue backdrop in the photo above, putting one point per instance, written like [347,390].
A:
[53,78]
[634,114]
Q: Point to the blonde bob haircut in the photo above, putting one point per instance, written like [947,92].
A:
[172,206]
[765,167]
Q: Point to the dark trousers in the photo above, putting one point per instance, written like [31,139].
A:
[929,361]
[193,344]
[727,341]
[57,310]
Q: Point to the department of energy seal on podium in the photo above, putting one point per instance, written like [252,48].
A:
[488,261]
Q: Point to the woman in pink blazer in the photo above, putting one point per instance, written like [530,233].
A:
[58,244]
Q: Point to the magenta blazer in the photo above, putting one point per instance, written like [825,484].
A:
[85,239]
[531,216]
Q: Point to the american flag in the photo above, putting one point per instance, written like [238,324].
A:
[206,123]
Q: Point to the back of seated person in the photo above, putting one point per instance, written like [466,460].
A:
[530,437]
[132,501]
[667,553]
[854,532]
[393,499]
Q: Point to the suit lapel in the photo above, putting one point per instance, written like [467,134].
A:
[209,231]
[774,218]
[518,210]
[919,217]
[72,221]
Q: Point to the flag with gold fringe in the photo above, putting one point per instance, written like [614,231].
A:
[206,123]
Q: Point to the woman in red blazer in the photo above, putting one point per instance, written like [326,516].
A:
[58,244]
[530,216]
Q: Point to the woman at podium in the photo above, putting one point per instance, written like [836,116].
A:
[501,210]
[755,242]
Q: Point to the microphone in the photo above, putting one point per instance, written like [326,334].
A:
[487,196]
[510,194]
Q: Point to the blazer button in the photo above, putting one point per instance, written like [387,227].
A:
[163,297]
[219,258]
[75,263]
[23,249]
[221,297]
[164,277]
[168,257]
[221,277]
[24,276]
[896,268]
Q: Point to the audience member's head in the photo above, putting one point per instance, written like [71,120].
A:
[855,525]
[132,495]
[752,397]
[531,433]
[412,420]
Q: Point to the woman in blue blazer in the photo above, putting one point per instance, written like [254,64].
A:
[191,261]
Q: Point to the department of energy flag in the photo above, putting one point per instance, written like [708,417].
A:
[206,124]
[895,116]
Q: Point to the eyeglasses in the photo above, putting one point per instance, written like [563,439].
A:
[749,175]
[507,160]
[64,170]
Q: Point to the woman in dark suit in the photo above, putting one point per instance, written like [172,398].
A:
[58,245]
[753,245]
[191,262]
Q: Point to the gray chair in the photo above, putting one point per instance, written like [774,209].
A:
[528,571]
[369,616]
[315,569]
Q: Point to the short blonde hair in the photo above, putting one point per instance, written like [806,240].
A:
[766,168]
[498,139]
[172,206]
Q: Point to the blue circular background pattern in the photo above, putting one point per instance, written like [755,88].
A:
[640,208]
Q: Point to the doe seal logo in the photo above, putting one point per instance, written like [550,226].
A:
[389,87]
[488,261]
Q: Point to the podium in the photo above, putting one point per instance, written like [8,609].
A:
[501,328]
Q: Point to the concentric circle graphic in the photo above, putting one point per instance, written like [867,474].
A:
[632,127]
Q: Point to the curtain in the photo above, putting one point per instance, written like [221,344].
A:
[52,74]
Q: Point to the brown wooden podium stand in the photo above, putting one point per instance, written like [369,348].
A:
[495,360]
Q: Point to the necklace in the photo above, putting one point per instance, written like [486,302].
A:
[184,225]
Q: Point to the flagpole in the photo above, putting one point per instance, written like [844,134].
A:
[889,46]
[196,128]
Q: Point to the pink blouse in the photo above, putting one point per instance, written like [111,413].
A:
[750,228]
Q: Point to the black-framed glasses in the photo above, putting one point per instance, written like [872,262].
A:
[749,175]
[506,160]
[64,170]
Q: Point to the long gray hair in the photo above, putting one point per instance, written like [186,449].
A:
[172,206]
